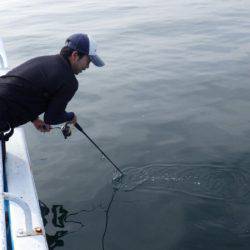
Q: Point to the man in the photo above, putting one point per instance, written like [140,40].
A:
[45,85]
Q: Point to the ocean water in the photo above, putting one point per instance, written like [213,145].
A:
[171,108]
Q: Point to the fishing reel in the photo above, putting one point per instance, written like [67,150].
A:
[66,130]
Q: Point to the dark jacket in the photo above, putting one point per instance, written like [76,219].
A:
[42,84]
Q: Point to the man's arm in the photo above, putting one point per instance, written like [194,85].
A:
[56,113]
[43,127]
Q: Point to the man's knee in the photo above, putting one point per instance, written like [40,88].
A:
[6,132]
[4,126]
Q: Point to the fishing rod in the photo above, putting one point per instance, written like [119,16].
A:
[66,131]
[82,131]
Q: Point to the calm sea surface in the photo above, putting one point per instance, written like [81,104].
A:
[171,108]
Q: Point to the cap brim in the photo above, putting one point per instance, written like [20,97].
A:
[96,60]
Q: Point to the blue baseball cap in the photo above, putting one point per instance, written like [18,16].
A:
[86,45]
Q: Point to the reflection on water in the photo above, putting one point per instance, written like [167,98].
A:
[61,218]
[63,221]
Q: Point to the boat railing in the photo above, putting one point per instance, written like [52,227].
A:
[28,230]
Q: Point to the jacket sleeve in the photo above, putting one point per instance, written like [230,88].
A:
[55,112]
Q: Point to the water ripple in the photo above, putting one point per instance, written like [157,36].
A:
[204,180]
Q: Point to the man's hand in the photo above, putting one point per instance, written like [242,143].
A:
[41,125]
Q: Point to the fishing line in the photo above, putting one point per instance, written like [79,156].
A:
[66,131]
[107,217]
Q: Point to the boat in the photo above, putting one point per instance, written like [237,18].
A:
[21,224]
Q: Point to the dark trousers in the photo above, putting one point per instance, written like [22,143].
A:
[3,148]
[5,130]
[4,125]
